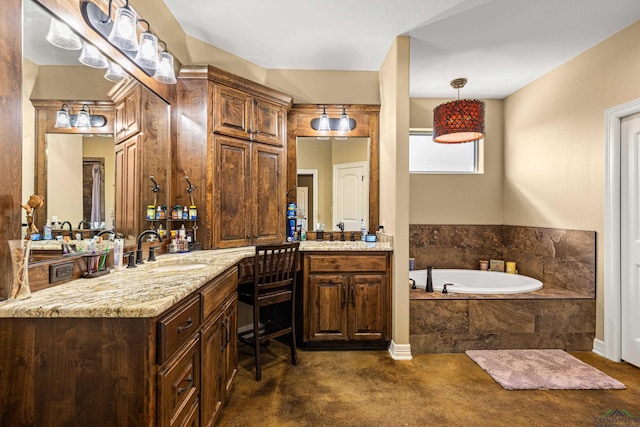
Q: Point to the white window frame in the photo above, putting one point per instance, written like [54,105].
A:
[477,147]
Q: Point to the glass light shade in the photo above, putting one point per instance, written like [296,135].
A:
[115,73]
[123,33]
[62,120]
[91,57]
[147,56]
[84,120]
[60,35]
[165,72]
[458,121]
[324,125]
[344,122]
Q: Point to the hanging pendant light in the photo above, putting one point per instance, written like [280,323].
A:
[63,121]
[115,73]
[91,57]
[344,125]
[60,35]
[147,56]
[165,72]
[123,33]
[83,121]
[458,121]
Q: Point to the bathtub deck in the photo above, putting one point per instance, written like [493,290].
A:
[546,292]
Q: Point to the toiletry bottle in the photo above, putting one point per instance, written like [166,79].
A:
[185,212]
[47,230]
[193,212]
[363,230]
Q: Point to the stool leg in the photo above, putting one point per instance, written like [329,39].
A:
[256,339]
[294,355]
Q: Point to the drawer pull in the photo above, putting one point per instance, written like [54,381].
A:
[344,294]
[353,296]
[189,385]
[227,334]
[186,325]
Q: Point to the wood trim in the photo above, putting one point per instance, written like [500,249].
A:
[367,118]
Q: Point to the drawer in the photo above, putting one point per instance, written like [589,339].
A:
[179,386]
[347,263]
[177,327]
[214,293]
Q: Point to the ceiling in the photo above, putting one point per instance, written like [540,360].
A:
[498,45]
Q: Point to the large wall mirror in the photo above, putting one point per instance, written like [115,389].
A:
[74,169]
[336,176]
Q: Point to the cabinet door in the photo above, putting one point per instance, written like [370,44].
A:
[120,127]
[368,307]
[230,345]
[232,200]
[211,394]
[269,194]
[326,302]
[232,113]
[127,187]
[132,111]
[267,122]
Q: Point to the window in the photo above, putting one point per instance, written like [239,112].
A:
[426,156]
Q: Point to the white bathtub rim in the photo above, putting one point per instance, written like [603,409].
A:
[529,283]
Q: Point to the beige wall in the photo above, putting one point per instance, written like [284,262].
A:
[394,176]
[75,82]
[460,199]
[29,77]
[64,177]
[316,154]
[554,142]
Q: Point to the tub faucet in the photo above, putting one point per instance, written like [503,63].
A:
[140,239]
[429,287]
[70,228]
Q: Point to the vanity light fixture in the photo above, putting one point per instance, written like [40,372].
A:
[342,124]
[91,57]
[165,72]
[115,73]
[458,121]
[83,122]
[147,56]
[63,121]
[123,33]
[60,35]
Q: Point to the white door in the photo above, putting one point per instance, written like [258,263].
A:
[302,197]
[630,237]
[351,194]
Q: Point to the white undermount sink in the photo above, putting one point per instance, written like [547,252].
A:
[178,267]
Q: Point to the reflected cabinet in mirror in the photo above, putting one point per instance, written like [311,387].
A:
[335,174]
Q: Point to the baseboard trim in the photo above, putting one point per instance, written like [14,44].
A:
[400,351]
[598,347]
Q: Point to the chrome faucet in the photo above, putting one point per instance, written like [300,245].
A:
[429,287]
[140,238]
[70,228]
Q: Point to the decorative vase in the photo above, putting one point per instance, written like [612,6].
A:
[19,287]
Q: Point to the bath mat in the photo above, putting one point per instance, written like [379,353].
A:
[541,370]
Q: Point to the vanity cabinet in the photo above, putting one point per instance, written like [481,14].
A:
[175,369]
[250,196]
[142,149]
[347,297]
[239,156]
[247,116]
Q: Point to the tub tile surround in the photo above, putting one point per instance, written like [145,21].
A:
[560,258]
[561,315]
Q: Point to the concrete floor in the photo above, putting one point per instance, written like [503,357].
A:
[368,388]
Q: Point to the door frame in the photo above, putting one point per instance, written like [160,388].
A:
[612,347]
[314,173]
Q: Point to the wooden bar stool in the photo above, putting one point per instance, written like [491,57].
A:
[274,288]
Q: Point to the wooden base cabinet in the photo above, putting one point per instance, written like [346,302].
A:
[173,370]
[347,297]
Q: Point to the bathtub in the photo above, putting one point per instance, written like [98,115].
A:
[476,281]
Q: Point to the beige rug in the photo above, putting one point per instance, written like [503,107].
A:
[541,370]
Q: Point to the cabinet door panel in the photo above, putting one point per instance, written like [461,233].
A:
[368,307]
[267,122]
[327,304]
[232,214]
[211,394]
[230,346]
[232,113]
[269,194]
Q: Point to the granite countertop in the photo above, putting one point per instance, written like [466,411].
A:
[147,291]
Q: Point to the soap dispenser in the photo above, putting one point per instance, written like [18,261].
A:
[47,230]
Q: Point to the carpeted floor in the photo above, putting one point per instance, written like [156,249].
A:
[368,388]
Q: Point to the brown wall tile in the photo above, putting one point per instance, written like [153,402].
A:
[430,316]
[502,316]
